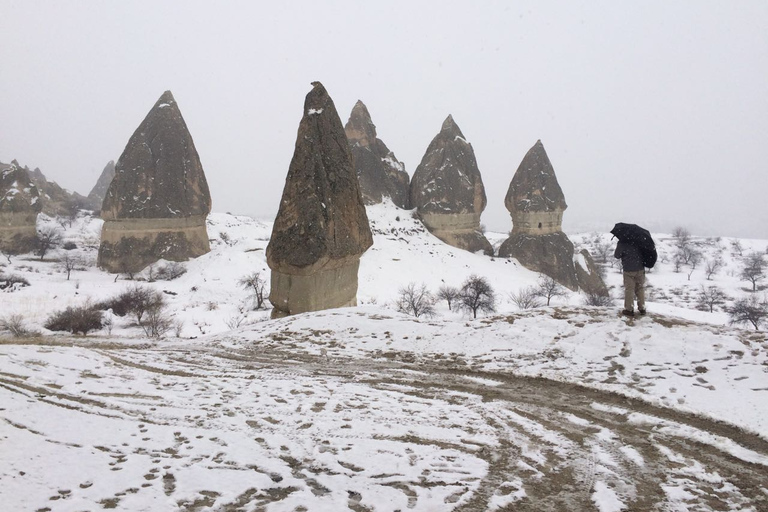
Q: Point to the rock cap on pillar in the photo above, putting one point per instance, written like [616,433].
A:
[447,189]
[321,228]
[380,173]
[156,205]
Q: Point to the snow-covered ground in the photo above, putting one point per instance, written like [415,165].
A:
[369,409]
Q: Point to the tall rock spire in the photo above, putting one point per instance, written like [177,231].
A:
[99,190]
[448,191]
[321,228]
[380,173]
[536,203]
[157,203]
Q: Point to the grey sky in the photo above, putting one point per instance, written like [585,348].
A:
[651,112]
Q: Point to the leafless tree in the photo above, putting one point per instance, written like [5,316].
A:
[709,297]
[448,294]
[256,284]
[693,262]
[682,236]
[602,252]
[477,294]
[69,262]
[548,288]
[712,267]
[415,300]
[753,270]
[525,298]
[736,245]
[749,310]
[48,238]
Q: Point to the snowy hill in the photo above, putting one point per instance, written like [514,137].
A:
[568,406]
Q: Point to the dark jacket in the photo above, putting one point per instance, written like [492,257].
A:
[631,259]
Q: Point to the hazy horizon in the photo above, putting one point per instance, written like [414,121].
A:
[650,112]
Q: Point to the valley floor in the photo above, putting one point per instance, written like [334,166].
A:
[355,410]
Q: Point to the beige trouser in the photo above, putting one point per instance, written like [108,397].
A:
[634,285]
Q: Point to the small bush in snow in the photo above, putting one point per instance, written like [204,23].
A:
[526,298]
[68,246]
[415,300]
[15,325]
[170,271]
[11,282]
[82,319]
[598,299]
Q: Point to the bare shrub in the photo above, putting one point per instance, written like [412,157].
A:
[749,310]
[156,321]
[11,282]
[525,298]
[598,299]
[108,323]
[170,271]
[548,288]
[415,300]
[81,319]
[477,294]
[178,327]
[448,294]
[256,285]
[15,325]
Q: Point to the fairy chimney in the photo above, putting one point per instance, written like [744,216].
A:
[19,205]
[379,172]
[157,203]
[99,190]
[536,204]
[447,191]
[321,228]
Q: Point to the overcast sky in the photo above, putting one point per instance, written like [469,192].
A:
[654,112]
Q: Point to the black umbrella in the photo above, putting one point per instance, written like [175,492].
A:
[640,238]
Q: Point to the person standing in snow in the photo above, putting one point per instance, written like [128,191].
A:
[634,277]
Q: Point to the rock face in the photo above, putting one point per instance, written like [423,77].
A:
[448,191]
[99,191]
[321,228]
[536,203]
[379,172]
[56,200]
[19,205]
[158,201]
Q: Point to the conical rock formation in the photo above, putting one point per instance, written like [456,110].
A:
[536,203]
[379,172]
[99,191]
[19,205]
[157,203]
[56,199]
[448,191]
[321,228]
